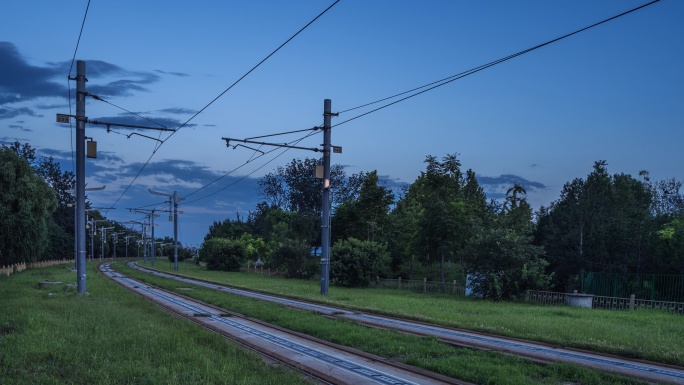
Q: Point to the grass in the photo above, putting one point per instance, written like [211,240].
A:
[645,334]
[471,365]
[111,336]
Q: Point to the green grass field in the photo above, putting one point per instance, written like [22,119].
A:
[468,364]
[111,336]
[647,334]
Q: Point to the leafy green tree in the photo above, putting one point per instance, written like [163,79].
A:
[505,264]
[295,260]
[603,223]
[26,206]
[222,254]
[365,216]
[356,263]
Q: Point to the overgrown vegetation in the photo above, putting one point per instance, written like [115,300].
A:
[112,336]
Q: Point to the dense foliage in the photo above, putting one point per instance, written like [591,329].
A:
[355,263]
[603,223]
[26,207]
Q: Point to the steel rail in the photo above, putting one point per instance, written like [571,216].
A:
[637,368]
[209,316]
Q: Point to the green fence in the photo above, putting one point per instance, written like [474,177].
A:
[654,287]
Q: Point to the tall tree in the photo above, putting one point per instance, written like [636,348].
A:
[26,206]
[365,216]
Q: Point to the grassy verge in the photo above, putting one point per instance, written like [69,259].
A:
[646,334]
[467,364]
[111,336]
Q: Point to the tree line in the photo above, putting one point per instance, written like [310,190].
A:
[601,223]
[37,214]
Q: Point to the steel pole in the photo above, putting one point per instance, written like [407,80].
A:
[175,230]
[325,193]
[80,175]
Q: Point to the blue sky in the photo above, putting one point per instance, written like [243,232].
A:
[614,92]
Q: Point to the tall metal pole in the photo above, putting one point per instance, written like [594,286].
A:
[153,252]
[80,176]
[325,215]
[175,230]
[144,244]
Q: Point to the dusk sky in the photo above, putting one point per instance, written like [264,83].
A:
[614,92]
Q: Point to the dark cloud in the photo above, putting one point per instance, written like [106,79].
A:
[209,125]
[9,112]
[496,187]
[178,110]
[54,106]
[18,127]
[153,121]
[179,74]
[20,81]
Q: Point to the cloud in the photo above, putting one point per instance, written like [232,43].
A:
[496,187]
[179,74]
[153,121]
[20,81]
[18,127]
[9,112]
[178,110]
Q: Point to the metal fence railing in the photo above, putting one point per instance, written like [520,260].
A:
[420,286]
[605,302]
[654,287]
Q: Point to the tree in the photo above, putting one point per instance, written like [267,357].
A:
[505,264]
[26,206]
[356,263]
[222,254]
[364,215]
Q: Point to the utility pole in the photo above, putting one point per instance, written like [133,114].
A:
[150,217]
[103,239]
[325,191]
[174,203]
[80,176]
[127,237]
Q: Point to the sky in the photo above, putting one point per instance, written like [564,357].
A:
[614,92]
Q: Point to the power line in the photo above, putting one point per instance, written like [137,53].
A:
[219,96]
[245,176]
[71,128]
[461,75]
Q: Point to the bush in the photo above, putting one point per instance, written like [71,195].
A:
[295,261]
[222,254]
[504,265]
[355,263]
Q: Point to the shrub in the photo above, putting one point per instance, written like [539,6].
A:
[355,263]
[222,254]
[295,261]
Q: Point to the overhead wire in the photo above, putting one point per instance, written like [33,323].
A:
[69,78]
[436,84]
[219,96]
[294,142]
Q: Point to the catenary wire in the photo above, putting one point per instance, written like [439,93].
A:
[247,175]
[216,98]
[461,75]
[71,127]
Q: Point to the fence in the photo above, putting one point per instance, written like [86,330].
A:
[606,303]
[655,287]
[19,267]
[420,286]
[261,271]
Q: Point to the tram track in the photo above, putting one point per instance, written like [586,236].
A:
[322,360]
[641,369]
